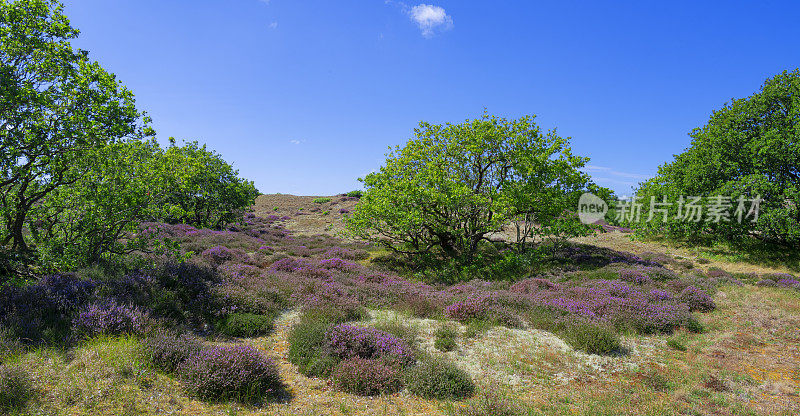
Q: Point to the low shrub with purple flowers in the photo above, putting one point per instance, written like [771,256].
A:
[110,318]
[237,372]
[366,377]
[168,350]
[348,341]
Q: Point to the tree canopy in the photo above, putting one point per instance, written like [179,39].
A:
[749,149]
[453,185]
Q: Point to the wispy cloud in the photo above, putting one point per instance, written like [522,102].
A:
[611,172]
[265,1]
[273,25]
[429,18]
[296,141]
[606,176]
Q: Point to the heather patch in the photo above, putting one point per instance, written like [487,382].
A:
[348,341]
[237,372]
[168,350]
[110,318]
[367,377]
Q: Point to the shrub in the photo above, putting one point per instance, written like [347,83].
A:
[473,308]
[439,379]
[230,372]
[676,345]
[16,389]
[110,319]
[338,264]
[220,254]
[366,377]
[321,200]
[407,334]
[445,338]
[718,273]
[247,325]
[347,341]
[692,324]
[593,338]
[355,194]
[306,347]
[696,299]
[167,350]
[345,253]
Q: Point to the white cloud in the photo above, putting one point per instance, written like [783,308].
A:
[430,19]
[273,25]
[612,172]
[295,141]
[265,1]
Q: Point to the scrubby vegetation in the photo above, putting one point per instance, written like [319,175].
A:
[132,273]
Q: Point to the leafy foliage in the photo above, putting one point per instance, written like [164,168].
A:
[247,325]
[447,189]
[56,106]
[748,148]
[439,379]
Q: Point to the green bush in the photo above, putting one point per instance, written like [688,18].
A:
[400,330]
[367,377]
[306,344]
[694,325]
[16,389]
[446,338]
[321,200]
[676,345]
[593,338]
[355,194]
[247,325]
[439,379]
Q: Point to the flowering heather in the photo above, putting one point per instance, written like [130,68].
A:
[110,318]
[230,372]
[660,295]
[634,276]
[347,341]
[788,283]
[66,292]
[534,285]
[345,253]
[167,351]
[222,254]
[696,299]
[339,264]
[473,307]
[366,377]
[718,273]
[767,283]
[288,264]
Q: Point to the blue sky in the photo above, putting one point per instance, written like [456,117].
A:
[304,97]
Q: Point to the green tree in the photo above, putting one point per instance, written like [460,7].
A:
[55,105]
[453,185]
[206,191]
[122,184]
[749,148]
